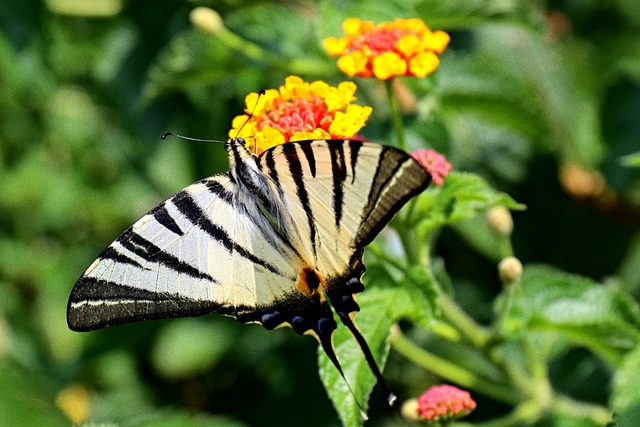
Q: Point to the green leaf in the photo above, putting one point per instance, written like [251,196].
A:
[181,418]
[625,399]
[381,306]
[441,14]
[477,233]
[461,196]
[514,78]
[602,318]
[193,60]
[27,400]
[262,23]
[423,298]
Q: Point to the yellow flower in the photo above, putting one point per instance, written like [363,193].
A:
[405,47]
[299,110]
[354,63]
[387,65]
[424,63]
[74,402]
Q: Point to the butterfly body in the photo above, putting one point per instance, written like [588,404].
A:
[278,240]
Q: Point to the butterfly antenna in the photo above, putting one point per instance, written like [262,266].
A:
[166,134]
[189,138]
[262,92]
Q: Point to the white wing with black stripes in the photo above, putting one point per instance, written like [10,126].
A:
[278,240]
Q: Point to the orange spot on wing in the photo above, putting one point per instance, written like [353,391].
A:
[309,280]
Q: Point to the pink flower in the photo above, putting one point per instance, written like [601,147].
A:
[434,163]
[445,402]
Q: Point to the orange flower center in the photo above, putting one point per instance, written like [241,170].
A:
[297,115]
[378,41]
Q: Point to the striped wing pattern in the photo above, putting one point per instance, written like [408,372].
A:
[278,241]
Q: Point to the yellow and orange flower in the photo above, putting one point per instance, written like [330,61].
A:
[299,110]
[405,47]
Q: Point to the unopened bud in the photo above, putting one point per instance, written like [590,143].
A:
[206,19]
[581,182]
[409,410]
[500,220]
[510,270]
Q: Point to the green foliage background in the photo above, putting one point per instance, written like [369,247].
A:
[525,89]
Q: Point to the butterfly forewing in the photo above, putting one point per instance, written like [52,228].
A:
[345,192]
[199,251]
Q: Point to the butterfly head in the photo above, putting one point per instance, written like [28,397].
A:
[243,166]
[243,143]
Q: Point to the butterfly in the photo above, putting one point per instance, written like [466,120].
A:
[278,240]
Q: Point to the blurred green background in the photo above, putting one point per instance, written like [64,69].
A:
[542,99]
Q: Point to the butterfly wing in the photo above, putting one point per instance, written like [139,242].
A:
[267,243]
[205,249]
[339,195]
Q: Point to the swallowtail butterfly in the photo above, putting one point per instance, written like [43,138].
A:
[278,240]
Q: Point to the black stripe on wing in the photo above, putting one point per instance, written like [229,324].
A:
[219,190]
[270,234]
[163,217]
[111,253]
[96,304]
[295,170]
[310,157]
[354,149]
[397,179]
[148,251]
[190,209]
[339,172]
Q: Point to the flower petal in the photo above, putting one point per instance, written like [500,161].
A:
[423,64]
[388,64]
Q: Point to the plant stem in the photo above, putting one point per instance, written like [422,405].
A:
[565,405]
[505,307]
[417,252]
[449,370]
[505,247]
[474,333]
[396,117]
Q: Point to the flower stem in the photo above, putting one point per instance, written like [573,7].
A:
[509,292]
[415,251]
[448,370]
[396,117]
[474,333]
[505,247]
[566,405]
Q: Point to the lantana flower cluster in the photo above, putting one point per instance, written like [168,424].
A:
[299,111]
[404,47]
[444,402]
[434,163]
